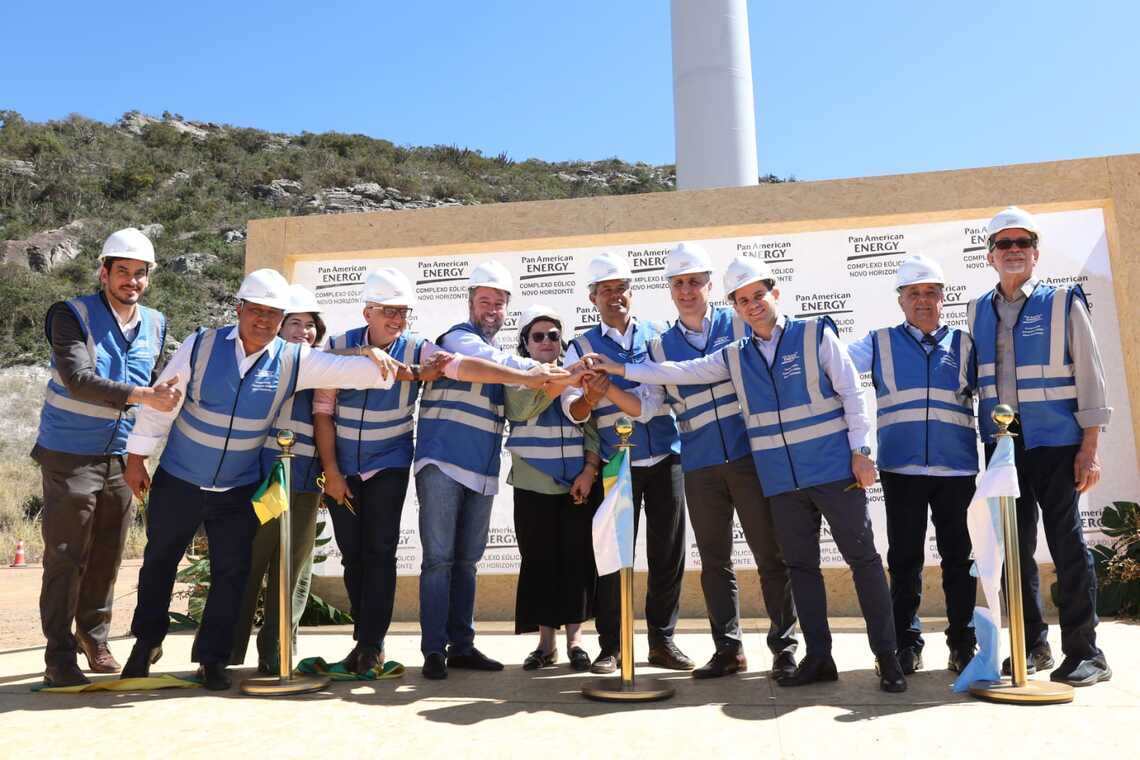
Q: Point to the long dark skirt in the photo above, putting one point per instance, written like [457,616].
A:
[557,577]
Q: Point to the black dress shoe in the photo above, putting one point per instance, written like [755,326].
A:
[143,655]
[369,657]
[668,655]
[435,667]
[960,658]
[910,660]
[539,659]
[1076,671]
[67,674]
[473,660]
[891,678]
[579,659]
[214,676]
[349,661]
[722,664]
[605,663]
[1039,658]
[811,669]
[783,665]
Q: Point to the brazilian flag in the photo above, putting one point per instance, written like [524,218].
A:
[271,499]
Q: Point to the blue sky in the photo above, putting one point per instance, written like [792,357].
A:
[843,89]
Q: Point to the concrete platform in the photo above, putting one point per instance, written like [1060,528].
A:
[517,713]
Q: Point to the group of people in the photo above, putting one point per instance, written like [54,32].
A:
[738,410]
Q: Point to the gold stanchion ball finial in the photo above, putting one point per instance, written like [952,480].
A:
[624,428]
[286,439]
[1002,417]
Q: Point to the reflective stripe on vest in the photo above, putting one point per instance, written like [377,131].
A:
[796,427]
[650,439]
[374,426]
[462,423]
[74,426]
[708,416]
[1045,377]
[925,413]
[297,415]
[551,443]
[216,440]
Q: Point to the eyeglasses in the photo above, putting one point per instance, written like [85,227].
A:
[1006,243]
[392,312]
[541,337]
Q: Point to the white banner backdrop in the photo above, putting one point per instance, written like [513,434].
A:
[845,273]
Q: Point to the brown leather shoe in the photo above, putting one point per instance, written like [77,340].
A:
[722,664]
[99,657]
[668,655]
[67,674]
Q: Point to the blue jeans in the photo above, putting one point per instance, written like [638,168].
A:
[454,521]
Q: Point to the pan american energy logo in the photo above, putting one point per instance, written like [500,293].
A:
[585,317]
[777,254]
[954,302]
[648,265]
[875,255]
[546,274]
[836,304]
[441,279]
[339,284]
[974,246]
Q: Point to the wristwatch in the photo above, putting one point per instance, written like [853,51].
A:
[415,368]
[864,450]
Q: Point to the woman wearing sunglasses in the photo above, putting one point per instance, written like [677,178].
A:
[303,324]
[554,471]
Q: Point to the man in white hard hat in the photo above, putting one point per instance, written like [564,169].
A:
[720,479]
[924,377]
[808,430]
[234,380]
[458,444]
[105,348]
[1037,353]
[658,483]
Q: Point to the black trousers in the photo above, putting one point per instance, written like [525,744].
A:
[1045,477]
[174,512]
[797,517]
[557,576]
[907,498]
[713,494]
[660,490]
[368,541]
[87,513]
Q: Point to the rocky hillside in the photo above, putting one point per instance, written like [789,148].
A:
[191,186]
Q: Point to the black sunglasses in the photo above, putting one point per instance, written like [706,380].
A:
[551,335]
[1006,243]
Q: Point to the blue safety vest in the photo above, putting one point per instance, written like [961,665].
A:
[216,440]
[462,423]
[374,426]
[708,416]
[1046,381]
[550,442]
[297,415]
[925,406]
[794,417]
[658,436]
[73,426]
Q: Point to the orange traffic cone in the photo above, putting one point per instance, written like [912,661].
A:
[18,561]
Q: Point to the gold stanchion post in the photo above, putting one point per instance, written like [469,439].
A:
[625,689]
[1018,688]
[285,682]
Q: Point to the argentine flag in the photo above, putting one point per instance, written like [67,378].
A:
[985,524]
[613,522]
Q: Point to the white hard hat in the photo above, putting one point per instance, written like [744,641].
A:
[388,287]
[302,300]
[687,258]
[265,287]
[1012,218]
[745,270]
[534,313]
[609,266]
[129,243]
[491,274]
[918,269]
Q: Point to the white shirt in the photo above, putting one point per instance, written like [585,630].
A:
[862,353]
[833,360]
[651,396]
[698,340]
[317,370]
[460,342]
